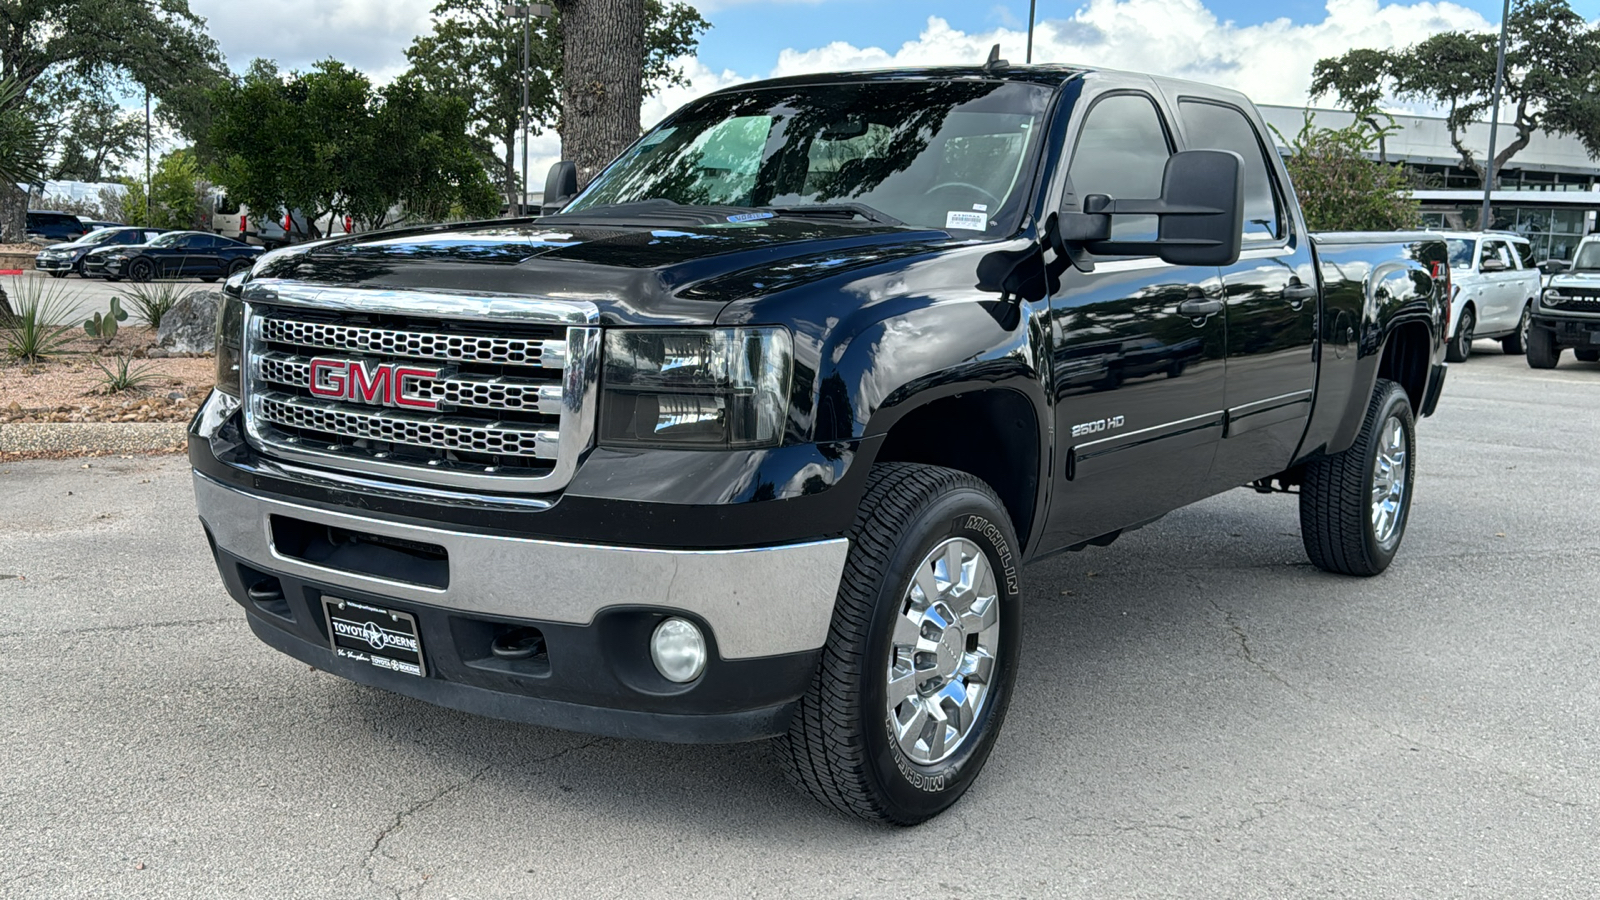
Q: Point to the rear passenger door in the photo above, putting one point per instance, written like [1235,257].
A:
[1272,304]
[1137,379]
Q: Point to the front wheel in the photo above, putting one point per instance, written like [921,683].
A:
[1543,351]
[921,655]
[1354,505]
[141,270]
[1460,346]
[1516,343]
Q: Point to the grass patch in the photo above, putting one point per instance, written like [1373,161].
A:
[153,300]
[122,376]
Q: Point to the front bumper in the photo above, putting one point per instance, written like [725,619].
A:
[765,610]
[1570,331]
[54,264]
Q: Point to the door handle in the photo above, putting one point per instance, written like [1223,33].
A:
[1297,293]
[1198,306]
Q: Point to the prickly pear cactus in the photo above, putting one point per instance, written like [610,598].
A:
[104,327]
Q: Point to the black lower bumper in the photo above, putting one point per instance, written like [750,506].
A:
[594,678]
[1571,332]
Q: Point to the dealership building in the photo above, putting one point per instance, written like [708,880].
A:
[1549,192]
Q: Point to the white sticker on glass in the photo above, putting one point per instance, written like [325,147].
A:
[974,221]
[981,207]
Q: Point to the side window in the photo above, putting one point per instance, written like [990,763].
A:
[1524,253]
[1122,151]
[128,237]
[1497,250]
[1209,126]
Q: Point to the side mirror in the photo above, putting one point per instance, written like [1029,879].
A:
[1492,264]
[1201,212]
[560,186]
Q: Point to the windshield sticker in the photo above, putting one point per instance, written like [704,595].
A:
[750,217]
[974,221]
[981,207]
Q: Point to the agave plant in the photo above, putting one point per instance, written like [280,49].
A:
[39,328]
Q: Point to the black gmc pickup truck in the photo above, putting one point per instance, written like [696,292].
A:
[755,436]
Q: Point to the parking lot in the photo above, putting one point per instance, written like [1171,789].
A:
[1200,714]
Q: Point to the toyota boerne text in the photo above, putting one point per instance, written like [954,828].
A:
[753,437]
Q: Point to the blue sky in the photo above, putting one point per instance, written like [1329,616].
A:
[747,35]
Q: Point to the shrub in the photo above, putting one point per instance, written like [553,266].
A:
[38,327]
[1340,188]
[122,376]
[153,300]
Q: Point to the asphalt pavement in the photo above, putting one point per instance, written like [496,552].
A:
[1200,714]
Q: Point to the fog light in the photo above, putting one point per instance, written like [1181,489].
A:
[679,650]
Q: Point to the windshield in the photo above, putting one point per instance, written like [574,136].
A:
[947,155]
[1588,256]
[1461,252]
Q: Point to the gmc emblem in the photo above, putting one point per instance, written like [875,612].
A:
[382,384]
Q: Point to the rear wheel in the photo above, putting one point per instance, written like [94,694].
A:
[239,265]
[1354,505]
[1587,354]
[1543,351]
[1516,343]
[921,655]
[1460,346]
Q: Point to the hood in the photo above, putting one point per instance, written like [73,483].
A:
[1584,278]
[636,274]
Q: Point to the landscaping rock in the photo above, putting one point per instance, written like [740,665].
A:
[190,326]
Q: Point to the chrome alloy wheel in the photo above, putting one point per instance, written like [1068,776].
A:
[1389,480]
[942,659]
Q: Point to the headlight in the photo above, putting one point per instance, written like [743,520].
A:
[230,338]
[695,389]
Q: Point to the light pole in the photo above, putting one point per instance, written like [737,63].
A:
[1033,6]
[526,12]
[1494,119]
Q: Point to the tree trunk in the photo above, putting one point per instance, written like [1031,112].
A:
[602,47]
[13,214]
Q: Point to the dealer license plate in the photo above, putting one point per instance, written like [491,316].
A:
[381,637]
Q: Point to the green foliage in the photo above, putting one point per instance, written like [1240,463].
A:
[475,53]
[1551,56]
[1340,188]
[174,194]
[153,300]
[326,141]
[104,328]
[24,137]
[38,328]
[95,135]
[122,376]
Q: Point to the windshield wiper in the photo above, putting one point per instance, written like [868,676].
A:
[848,210]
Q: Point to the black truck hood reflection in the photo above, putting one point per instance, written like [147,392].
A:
[635,275]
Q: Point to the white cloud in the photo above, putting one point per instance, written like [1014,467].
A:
[1270,62]
[369,35]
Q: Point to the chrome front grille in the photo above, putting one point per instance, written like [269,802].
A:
[497,395]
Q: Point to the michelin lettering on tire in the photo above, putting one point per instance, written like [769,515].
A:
[1002,548]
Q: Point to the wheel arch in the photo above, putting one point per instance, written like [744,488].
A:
[993,433]
[1406,359]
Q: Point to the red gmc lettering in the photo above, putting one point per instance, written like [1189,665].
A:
[383,384]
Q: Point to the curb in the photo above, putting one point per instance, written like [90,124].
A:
[92,437]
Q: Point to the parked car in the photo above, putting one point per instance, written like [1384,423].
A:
[59,259]
[754,438]
[176,254]
[1494,287]
[1568,314]
[54,226]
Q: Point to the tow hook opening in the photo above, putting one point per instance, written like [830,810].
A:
[265,592]
[517,642]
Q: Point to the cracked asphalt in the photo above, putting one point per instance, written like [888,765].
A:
[1200,714]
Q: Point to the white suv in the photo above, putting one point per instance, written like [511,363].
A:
[1494,286]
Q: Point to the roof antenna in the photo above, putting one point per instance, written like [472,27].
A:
[995,63]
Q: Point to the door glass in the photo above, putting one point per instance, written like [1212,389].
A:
[1122,152]
[1209,126]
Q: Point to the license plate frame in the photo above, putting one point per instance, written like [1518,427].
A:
[383,638]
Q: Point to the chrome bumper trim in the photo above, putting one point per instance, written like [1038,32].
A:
[758,602]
